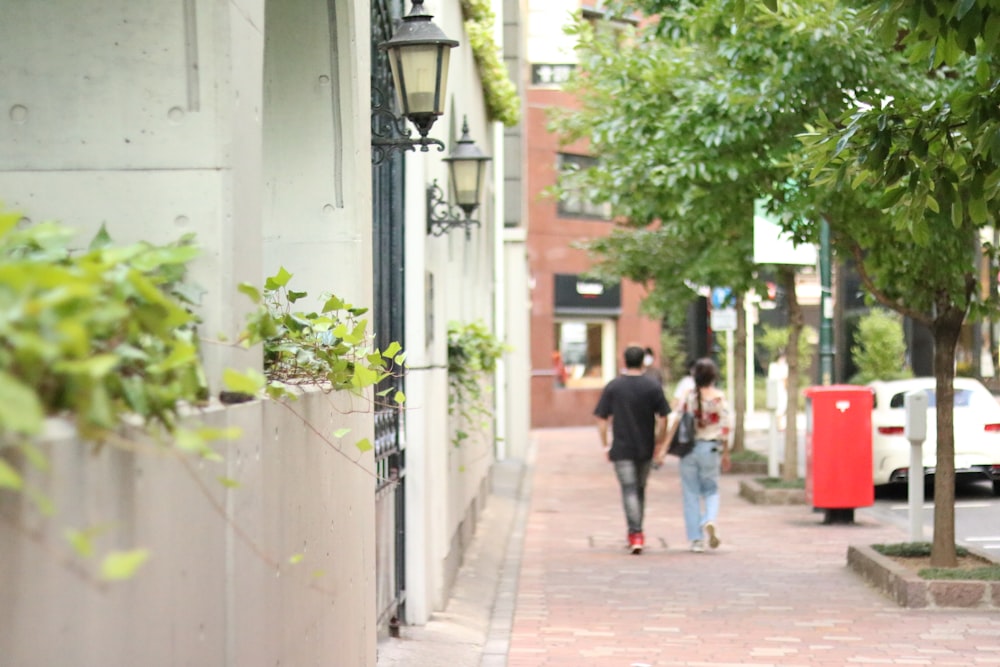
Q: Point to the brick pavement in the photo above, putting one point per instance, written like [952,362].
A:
[777,591]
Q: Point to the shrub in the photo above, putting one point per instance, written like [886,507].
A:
[879,351]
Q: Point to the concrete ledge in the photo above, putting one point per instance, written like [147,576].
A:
[906,589]
[757,493]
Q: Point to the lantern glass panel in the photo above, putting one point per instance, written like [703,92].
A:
[417,65]
[467,181]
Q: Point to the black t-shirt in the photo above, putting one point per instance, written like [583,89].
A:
[632,402]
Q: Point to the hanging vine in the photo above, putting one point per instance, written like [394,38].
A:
[473,353]
[502,101]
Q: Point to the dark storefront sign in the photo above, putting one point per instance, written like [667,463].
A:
[575,295]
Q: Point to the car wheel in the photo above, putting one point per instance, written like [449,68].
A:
[996,487]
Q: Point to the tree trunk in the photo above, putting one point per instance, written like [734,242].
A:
[795,322]
[740,376]
[946,328]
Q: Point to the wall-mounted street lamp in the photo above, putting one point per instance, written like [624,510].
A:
[467,173]
[418,54]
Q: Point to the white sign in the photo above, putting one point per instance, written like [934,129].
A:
[773,246]
[723,319]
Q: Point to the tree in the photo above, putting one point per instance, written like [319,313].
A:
[928,156]
[693,120]
[905,172]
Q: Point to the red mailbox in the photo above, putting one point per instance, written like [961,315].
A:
[839,450]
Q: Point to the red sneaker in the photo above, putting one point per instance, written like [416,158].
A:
[635,542]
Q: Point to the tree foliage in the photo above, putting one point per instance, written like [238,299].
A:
[879,350]
[896,105]
[693,119]
[928,154]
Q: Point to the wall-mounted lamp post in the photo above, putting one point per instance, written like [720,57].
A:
[467,173]
[418,54]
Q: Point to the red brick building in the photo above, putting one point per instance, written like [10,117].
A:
[579,327]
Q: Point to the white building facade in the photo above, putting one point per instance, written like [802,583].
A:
[249,124]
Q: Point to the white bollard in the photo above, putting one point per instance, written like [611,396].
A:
[915,430]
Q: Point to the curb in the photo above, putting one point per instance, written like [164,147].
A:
[758,494]
[906,589]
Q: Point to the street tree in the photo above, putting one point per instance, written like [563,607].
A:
[921,155]
[929,157]
[693,118]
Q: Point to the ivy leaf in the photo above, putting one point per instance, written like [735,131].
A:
[341,432]
[82,541]
[244,383]
[8,221]
[295,559]
[364,377]
[228,482]
[20,409]
[101,239]
[278,280]
[10,478]
[332,304]
[250,291]
[364,445]
[400,397]
[121,565]
[182,354]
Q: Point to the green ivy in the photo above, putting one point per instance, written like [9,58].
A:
[473,353]
[105,335]
[93,336]
[96,334]
[329,349]
[502,101]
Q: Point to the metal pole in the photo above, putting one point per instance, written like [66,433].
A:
[826,350]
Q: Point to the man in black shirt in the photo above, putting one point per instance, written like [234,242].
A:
[637,410]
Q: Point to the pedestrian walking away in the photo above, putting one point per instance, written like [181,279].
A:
[700,469]
[651,369]
[684,385]
[636,409]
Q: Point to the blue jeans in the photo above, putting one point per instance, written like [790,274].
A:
[700,487]
[632,476]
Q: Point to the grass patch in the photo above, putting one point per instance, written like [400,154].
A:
[973,568]
[912,549]
[747,456]
[779,483]
[985,573]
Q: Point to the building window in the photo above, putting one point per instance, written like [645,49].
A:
[586,351]
[573,201]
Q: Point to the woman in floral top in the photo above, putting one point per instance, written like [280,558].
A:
[701,468]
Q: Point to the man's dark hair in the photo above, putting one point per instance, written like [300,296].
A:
[633,356]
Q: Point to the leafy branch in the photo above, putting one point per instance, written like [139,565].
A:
[101,337]
[473,353]
[502,100]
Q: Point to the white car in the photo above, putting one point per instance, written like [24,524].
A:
[977,431]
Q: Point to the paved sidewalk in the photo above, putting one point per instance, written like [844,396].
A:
[563,592]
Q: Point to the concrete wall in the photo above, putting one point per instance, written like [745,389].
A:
[219,587]
[145,116]
[159,119]
[247,123]
[449,278]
